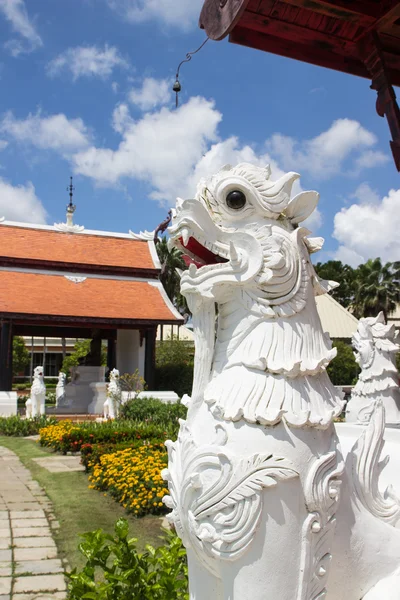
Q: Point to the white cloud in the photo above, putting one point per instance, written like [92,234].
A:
[20,203]
[161,148]
[369,228]
[180,13]
[15,12]
[171,150]
[87,61]
[153,93]
[121,119]
[371,158]
[55,132]
[3,144]
[329,152]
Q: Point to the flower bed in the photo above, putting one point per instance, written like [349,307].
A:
[70,437]
[133,477]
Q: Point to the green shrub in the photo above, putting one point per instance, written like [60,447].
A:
[152,410]
[17,427]
[343,370]
[115,570]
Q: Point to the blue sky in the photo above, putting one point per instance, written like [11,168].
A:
[86,90]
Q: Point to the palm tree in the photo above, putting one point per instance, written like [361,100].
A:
[171,260]
[377,288]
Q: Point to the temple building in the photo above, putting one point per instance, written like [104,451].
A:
[68,282]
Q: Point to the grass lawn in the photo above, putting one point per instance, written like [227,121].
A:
[77,508]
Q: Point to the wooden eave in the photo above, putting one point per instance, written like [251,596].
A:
[78,268]
[358,37]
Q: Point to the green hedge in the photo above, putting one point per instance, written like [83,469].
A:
[176,378]
[152,410]
[17,427]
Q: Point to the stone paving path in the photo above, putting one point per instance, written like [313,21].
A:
[29,565]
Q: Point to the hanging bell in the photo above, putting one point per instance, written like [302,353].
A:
[177,86]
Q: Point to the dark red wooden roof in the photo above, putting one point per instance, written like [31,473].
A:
[359,37]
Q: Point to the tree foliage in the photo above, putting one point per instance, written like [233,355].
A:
[171,260]
[377,289]
[335,270]
[21,355]
[343,369]
[370,288]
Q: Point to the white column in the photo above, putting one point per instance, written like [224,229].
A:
[142,357]
[128,351]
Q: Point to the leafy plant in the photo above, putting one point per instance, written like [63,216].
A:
[17,427]
[115,570]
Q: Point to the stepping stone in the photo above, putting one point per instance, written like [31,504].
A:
[27,514]
[39,583]
[17,523]
[21,532]
[60,464]
[39,567]
[34,542]
[53,596]
[5,585]
[21,554]
[5,556]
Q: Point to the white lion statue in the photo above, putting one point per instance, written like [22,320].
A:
[375,344]
[60,389]
[258,488]
[35,405]
[114,395]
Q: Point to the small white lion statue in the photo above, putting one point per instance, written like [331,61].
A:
[35,405]
[60,389]
[111,405]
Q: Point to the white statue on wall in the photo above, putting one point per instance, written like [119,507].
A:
[114,396]
[60,389]
[256,475]
[35,405]
[376,345]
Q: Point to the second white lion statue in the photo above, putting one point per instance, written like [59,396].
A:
[376,345]
[114,396]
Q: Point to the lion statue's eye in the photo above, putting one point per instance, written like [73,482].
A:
[236,199]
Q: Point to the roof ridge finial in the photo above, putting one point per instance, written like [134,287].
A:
[69,226]
[71,208]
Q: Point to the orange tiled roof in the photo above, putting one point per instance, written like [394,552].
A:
[56,247]
[29,293]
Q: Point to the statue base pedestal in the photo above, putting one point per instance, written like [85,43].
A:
[8,404]
[80,397]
